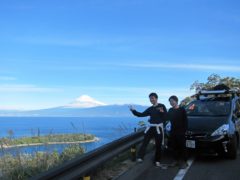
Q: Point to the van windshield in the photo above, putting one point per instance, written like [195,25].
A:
[208,108]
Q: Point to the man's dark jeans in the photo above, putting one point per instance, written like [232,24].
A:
[152,133]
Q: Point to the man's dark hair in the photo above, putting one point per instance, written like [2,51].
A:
[175,98]
[154,95]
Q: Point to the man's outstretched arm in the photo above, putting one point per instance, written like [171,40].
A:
[140,114]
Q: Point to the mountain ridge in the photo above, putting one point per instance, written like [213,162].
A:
[63,111]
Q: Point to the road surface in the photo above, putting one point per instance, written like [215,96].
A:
[200,168]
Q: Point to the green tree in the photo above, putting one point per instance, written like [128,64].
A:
[215,79]
[212,81]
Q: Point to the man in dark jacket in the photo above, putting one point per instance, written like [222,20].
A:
[179,122]
[157,113]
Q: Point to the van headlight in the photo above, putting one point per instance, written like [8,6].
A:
[222,130]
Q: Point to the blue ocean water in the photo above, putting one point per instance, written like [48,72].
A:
[105,128]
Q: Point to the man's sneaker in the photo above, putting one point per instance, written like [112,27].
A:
[158,164]
[139,160]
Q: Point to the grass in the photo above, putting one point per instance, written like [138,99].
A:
[24,166]
[61,138]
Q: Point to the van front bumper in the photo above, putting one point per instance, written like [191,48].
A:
[210,144]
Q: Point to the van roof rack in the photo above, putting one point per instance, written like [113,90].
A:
[218,93]
[203,92]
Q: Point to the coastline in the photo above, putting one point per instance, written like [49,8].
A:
[50,143]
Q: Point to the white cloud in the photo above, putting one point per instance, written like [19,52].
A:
[75,42]
[26,88]
[185,66]
[10,108]
[7,78]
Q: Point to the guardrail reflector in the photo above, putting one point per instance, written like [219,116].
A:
[86,178]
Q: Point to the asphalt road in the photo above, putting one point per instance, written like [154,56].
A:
[201,168]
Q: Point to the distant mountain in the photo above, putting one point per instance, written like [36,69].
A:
[84,106]
[85,101]
[65,111]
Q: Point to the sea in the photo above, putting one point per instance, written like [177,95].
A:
[107,129]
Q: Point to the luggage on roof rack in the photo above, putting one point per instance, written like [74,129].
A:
[221,87]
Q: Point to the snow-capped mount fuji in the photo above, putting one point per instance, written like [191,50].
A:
[85,101]
[84,106]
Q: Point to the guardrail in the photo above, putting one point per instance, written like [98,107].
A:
[83,166]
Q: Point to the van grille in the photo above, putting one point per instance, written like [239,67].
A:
[196,134]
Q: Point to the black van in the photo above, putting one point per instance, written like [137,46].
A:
[214,122]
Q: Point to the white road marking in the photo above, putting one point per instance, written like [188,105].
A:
[181,173]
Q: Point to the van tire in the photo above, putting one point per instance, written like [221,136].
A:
[232,148]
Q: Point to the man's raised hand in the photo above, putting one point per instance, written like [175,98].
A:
[131,108]
[160,109]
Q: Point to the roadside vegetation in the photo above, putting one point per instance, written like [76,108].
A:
[21,166]
[24,166]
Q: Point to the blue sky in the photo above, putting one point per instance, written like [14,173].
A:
[52,52]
